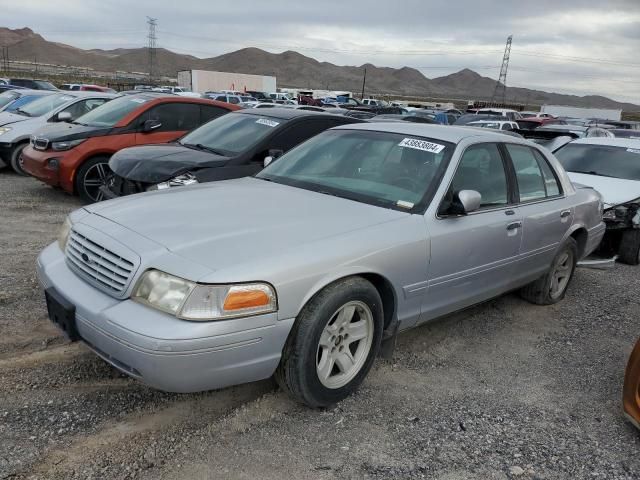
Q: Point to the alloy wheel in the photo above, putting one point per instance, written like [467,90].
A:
[95,177]
[344,344]
[561,275]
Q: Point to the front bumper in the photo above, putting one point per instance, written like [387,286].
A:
[631,389]
[38,164]
[5,153]
[160,350]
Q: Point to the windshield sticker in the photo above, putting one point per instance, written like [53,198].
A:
[267,122]
[138,100]
[421,145]
[403,204]
[633,150]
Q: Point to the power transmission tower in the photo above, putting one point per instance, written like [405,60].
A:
[5,58]
[151,46]
[500,92]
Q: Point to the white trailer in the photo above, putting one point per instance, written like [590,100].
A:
[579,112]
[202,81]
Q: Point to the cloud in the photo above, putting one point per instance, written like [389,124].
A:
[437,36]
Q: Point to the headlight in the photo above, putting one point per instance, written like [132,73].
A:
[179,181]
[4,130]
[63,234]
[67,145]
[192,301]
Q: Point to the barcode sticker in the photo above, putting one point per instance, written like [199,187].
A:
[421,145]
[267,122]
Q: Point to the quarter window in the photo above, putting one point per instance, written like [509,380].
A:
[531,184]
[481,169]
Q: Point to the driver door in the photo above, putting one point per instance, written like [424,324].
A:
[473,255]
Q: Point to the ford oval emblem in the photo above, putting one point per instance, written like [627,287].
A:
[85,257]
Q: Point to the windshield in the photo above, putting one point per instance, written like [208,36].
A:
[112,112]
[233,133]
[386,169]
[7,97]
[45,104]
[21,102]
[604,160]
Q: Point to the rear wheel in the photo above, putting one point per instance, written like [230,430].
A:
[333,344]
[552,286]
[90,177]
[629,251]
[15,159]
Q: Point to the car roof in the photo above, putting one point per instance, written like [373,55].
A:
[612,142]
[282,113]
[446,133]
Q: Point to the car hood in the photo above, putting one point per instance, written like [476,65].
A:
[158,163]
[223,224]
[8,117]
[614,191]
[61,131]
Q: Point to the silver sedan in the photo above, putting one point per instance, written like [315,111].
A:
[307,269]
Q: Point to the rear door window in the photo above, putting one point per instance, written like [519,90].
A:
[531,183]
[209,112]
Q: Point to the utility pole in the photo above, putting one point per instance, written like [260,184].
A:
[500,92]
[151,46]
[364,81]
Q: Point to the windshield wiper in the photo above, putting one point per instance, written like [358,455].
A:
[22,112]
[593,172]
[199,146]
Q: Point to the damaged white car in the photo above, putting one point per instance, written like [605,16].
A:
[611,166]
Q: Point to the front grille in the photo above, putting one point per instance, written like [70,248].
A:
[40,143]
[105,268]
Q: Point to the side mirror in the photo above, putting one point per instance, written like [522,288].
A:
[151,125]
[469,200]
[267,161]
[63,117]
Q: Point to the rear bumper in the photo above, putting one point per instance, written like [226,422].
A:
[181,356]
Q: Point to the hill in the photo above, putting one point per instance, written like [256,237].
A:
[291,68]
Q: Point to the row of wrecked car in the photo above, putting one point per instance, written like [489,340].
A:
[329,235]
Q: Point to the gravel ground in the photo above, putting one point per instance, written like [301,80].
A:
[503,390]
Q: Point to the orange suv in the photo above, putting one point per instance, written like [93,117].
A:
[75,156]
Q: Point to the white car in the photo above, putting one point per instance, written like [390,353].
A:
[372,102]
[16,128]
[496,125]
[612,167]
[505,112]
[536,115]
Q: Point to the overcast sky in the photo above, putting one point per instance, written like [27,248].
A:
[570,46]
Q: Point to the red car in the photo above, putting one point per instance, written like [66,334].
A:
[75,156]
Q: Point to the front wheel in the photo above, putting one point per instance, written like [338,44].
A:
[90,177]
[333,343]
[15,160]
[552,286]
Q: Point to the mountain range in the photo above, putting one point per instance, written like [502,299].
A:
[292,69]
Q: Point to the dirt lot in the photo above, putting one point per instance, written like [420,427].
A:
[504,390]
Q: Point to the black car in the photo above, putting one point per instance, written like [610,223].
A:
[235,146]
[32,84]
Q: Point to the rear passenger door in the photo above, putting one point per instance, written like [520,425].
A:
[473,256]
[546,213]
[176,119]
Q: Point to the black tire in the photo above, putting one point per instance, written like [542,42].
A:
[629,251]
[15,159]
[90,169]
[297,373]
[540,292]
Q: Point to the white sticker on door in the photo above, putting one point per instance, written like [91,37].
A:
[421,145]
[267,122]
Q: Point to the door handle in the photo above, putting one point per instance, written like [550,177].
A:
[514,225]
[565,213]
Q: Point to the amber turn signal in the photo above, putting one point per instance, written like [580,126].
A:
[245,299]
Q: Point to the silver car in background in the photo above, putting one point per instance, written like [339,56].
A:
[306,269]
